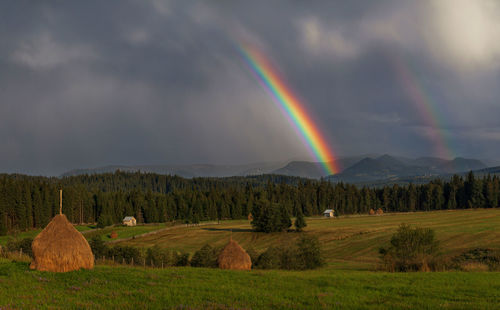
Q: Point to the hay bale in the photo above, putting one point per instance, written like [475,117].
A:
[113,235]
[233,256]
[61,248]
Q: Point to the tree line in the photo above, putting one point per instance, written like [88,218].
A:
[28,202]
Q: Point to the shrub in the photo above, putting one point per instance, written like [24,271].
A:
[23,246]
[305,254]
[411,249]
[205,257]
[270,259]
[309,253]
[254,255]
[181,259]
[99,248]
[157,257]
[127,254]
[478,258]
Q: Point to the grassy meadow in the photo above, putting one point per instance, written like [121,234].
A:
[124,232]
[347,242]
[348,281]
[125,287]
[90,231]
[34,232]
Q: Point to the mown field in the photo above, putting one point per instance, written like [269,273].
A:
[347,242]
[200,288]
[348,281]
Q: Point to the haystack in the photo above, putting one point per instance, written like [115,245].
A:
[61,248]
[233,256]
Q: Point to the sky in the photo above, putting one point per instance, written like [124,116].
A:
[134,82]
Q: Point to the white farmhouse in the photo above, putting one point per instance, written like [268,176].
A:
[129,221]
[329,213]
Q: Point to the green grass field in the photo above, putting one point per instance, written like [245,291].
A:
[124,231]
[90,231]
[348,242]
[199,288]
[348,281]
[33,233]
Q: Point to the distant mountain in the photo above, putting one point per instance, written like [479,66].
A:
[491,162]
[315,170]
[353,169]
[371,169]
[304,169]
[390,168]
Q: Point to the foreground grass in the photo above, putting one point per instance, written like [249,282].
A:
[347,241]
[124,287]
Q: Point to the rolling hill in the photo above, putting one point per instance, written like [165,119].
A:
[388,168]
[354,169]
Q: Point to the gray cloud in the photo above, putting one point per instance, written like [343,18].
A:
[91,83]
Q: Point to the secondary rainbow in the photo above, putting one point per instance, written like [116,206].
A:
[291,105]
[426,107]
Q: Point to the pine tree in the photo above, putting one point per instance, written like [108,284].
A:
[300,222]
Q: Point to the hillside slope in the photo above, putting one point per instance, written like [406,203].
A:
[347,240]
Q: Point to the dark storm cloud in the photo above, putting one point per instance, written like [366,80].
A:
[90,83]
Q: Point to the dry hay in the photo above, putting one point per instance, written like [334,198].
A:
[233,256]
[61,248]
[113,235]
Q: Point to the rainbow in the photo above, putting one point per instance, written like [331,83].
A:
[291,106]
[426,107]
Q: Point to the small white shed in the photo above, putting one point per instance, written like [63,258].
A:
[329,213]
[129,221]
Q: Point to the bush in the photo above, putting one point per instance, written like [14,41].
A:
[270,259]
[254,256]
[305,254]
[127,255]
[478,258]
[205,257]
[98,247]
[181,259]
[23,246]
[157,257]
[309,253]
[411,249]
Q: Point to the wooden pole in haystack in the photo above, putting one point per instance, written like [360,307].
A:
[59,247]
[60,201]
